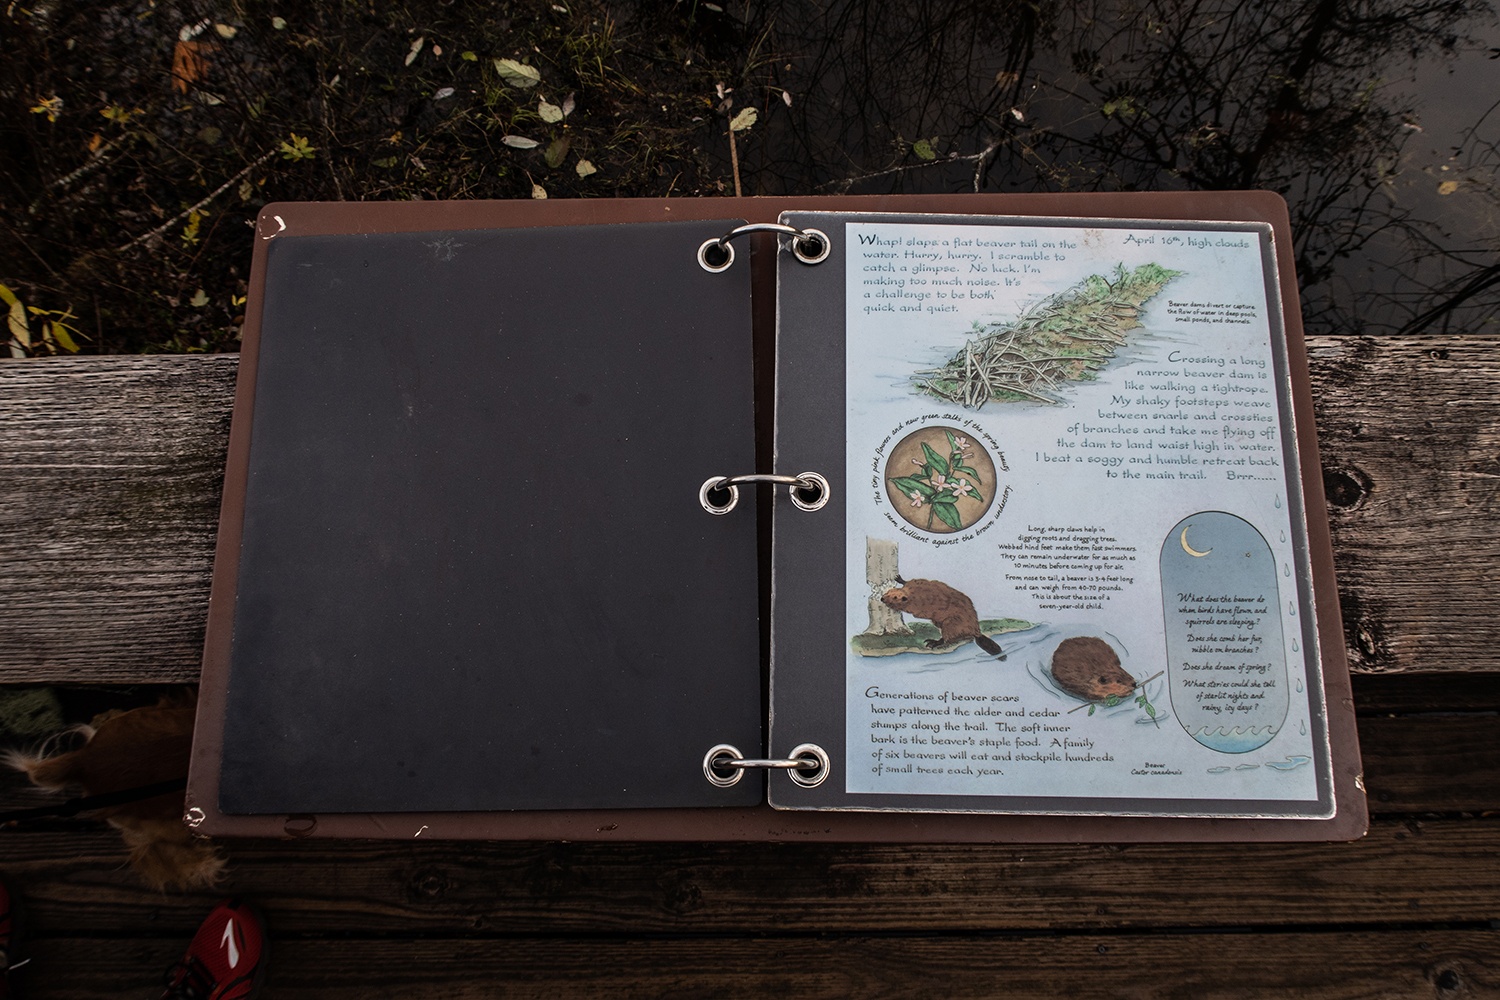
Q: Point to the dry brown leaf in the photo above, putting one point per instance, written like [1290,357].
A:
[189,64]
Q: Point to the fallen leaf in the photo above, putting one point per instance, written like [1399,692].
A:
[520,142]
[443,94]
[517,74]
[744,120]
[557,152]
[537,191]
[786,97]
[411,55]
[584,168]
[226,30]
[551,113]
[924,150]
[1017,115]
[1447,187]
[437,50]
[568,105]
[189,64]
[279,23]
[199,299]
[467,56]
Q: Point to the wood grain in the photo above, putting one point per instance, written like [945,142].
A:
[110,474]
[1437,963]
[110,468]
[1404,872]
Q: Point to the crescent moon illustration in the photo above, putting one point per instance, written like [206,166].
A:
[1189,549]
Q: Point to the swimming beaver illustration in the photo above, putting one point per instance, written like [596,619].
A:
[949,610]
[1088,667]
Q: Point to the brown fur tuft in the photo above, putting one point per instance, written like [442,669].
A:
[125,750]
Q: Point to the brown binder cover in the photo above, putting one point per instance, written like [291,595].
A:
[743,822]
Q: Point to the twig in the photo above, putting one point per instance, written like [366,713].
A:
[189,211]
[734,162]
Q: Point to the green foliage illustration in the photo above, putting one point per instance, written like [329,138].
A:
[1064,338]
[942,482]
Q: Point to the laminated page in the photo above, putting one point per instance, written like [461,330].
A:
[1066,568]
[473,569]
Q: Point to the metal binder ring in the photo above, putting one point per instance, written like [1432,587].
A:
[811,483]
[724,765]
[716,769]
[810,246]
[814,768]
[800,487]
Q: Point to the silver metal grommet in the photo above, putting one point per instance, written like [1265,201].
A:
[713,250]
[812,247]
[718,483]
[810,482]
[718,760]
[813,765]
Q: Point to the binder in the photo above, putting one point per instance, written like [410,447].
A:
[930,518]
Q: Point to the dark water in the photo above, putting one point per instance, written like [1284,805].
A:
[127,186]
[1377,121]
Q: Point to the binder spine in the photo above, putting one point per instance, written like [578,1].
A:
[810,246]
[808,490]
[808,765]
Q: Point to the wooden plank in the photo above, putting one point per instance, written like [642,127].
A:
[1431,763]
[1402,873]
[110,474]
[1416,691]
[1428,763]
[1438,963]
[110,466]
[1409,436]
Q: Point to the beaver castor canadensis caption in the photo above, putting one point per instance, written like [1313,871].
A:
[949,610]
[1088,667]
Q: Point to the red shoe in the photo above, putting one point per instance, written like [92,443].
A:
[227,959]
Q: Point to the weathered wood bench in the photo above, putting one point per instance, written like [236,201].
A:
[109,490]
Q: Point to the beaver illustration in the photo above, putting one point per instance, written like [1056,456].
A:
[949,610]
[1088,667]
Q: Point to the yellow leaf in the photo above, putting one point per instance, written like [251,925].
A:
[537,191]
[517,74]
[20,328]
[584,168]
[744,120]
[60,334]
[1447,187]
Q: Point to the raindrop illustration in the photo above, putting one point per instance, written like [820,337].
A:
[1283,536]
[1278,502]
[1286,570]
[1296,649]
[1291,609]
[1303,727]
[1299,686]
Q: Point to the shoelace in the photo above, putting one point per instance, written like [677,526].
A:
[188,980]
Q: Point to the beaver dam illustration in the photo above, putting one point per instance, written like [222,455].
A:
[1067,337]
[951,621]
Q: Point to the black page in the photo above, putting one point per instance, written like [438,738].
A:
[474,572]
